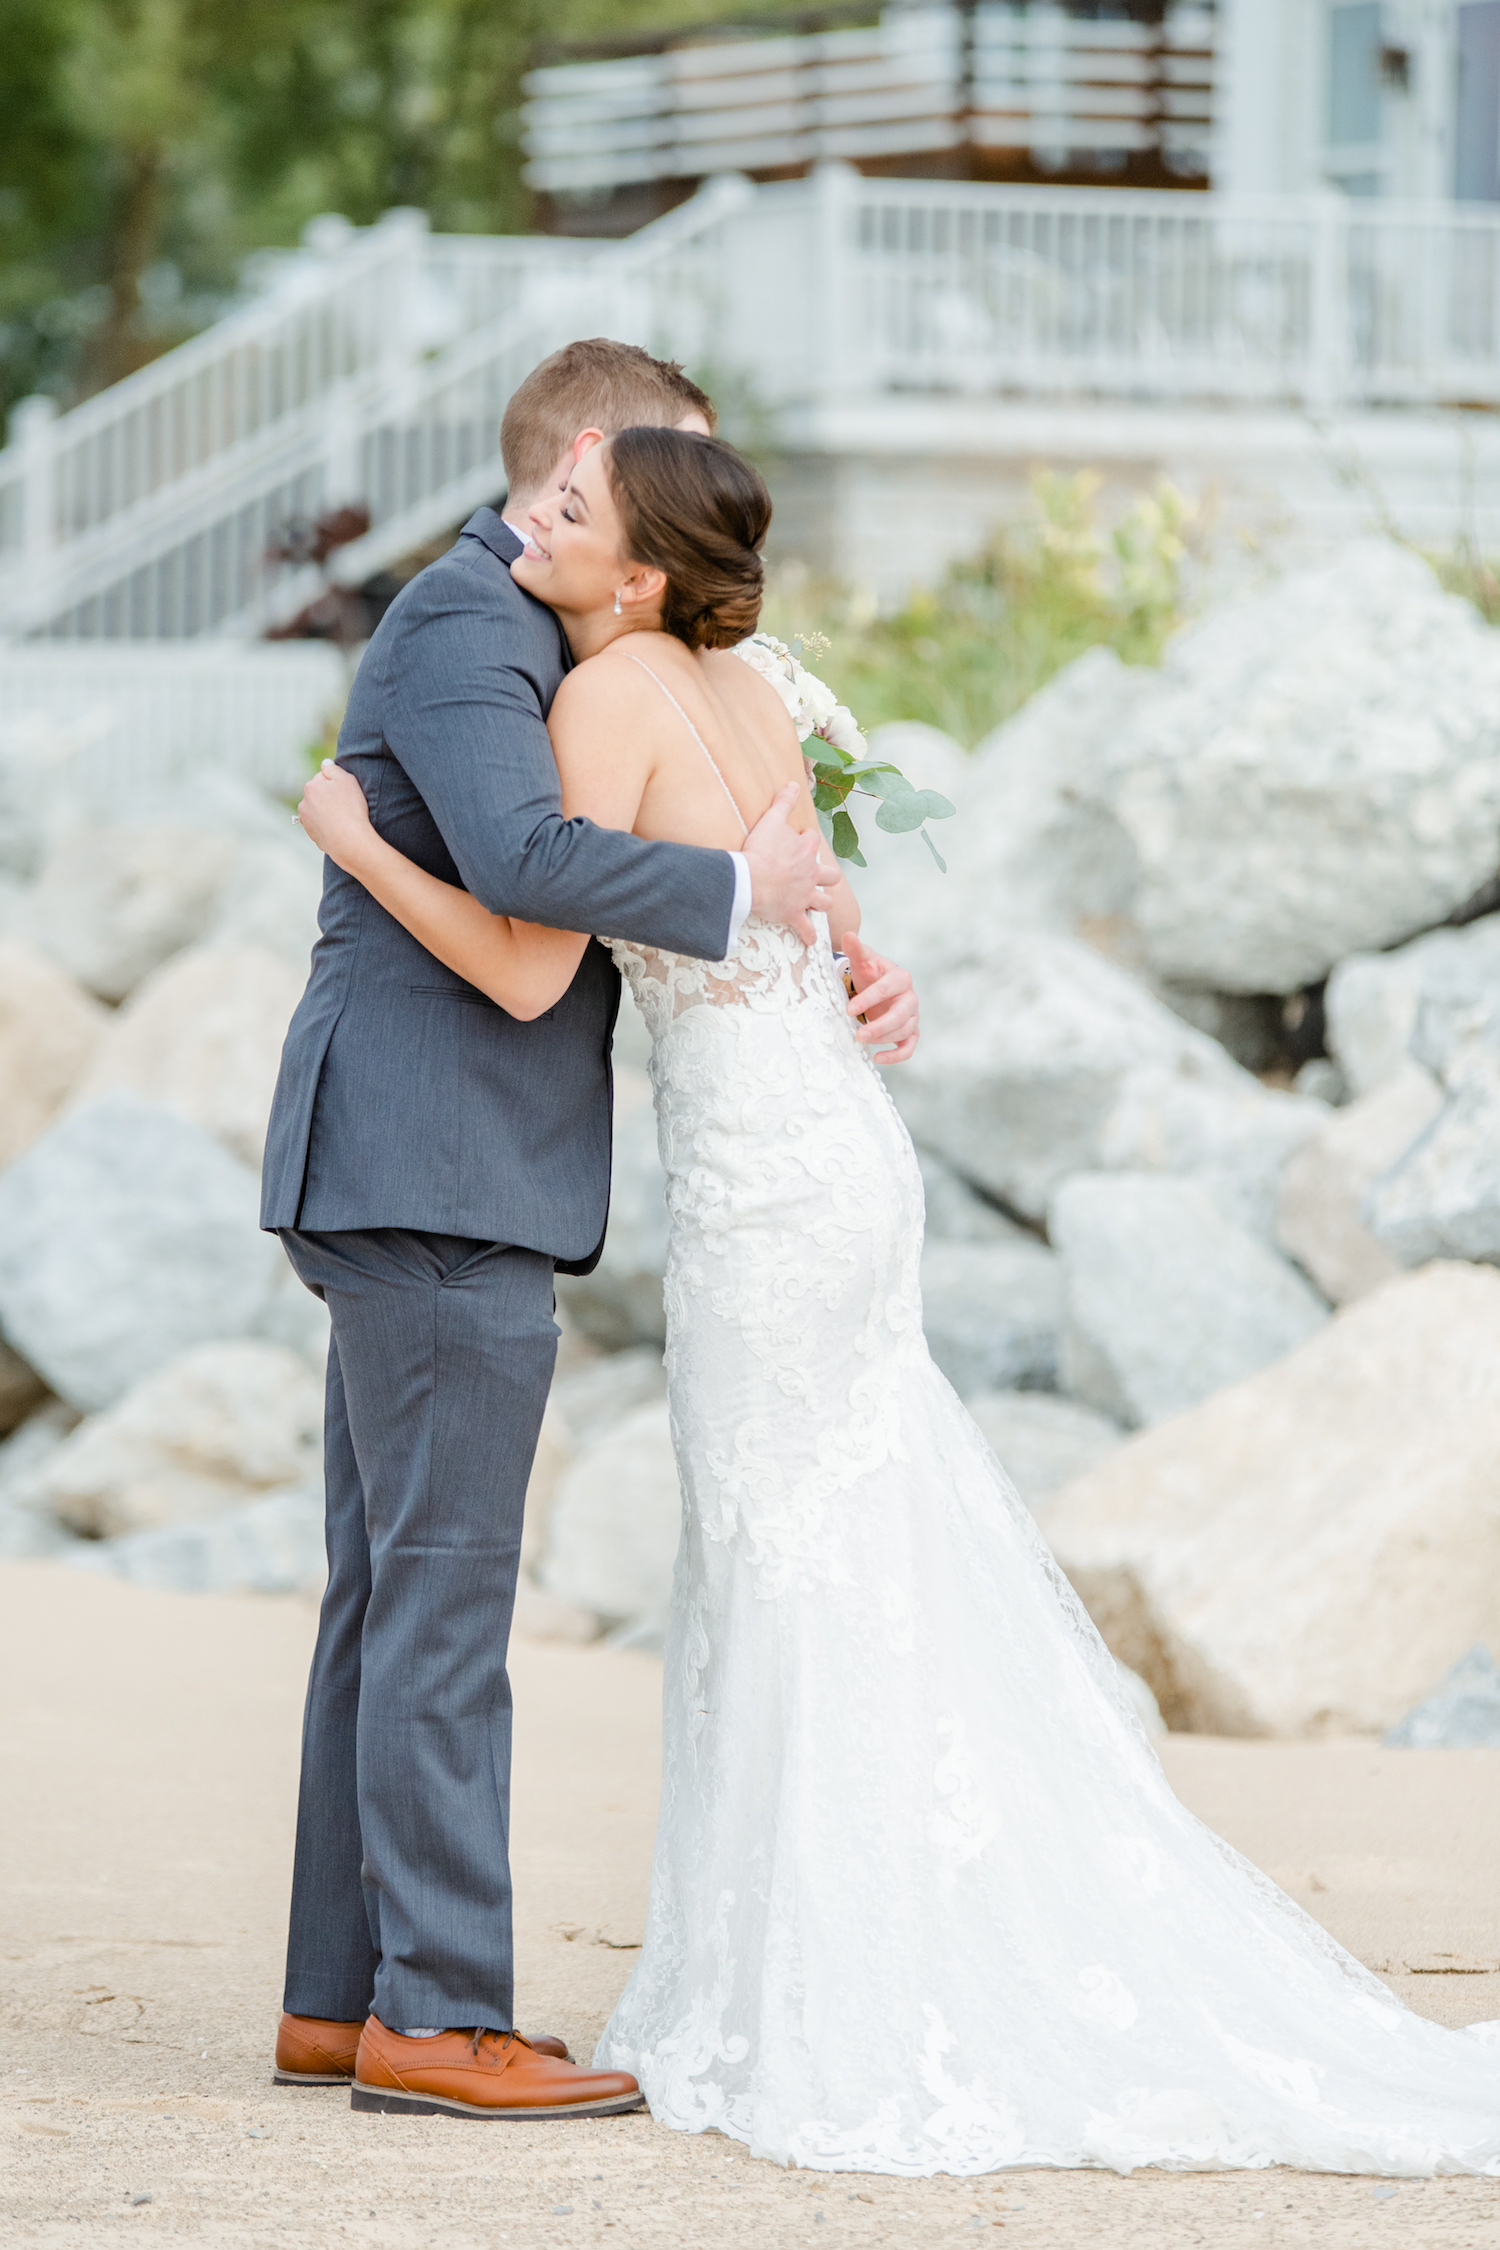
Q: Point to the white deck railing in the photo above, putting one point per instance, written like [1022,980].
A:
[1018,75]
[378,368]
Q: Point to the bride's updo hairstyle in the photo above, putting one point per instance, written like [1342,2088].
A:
[694,508]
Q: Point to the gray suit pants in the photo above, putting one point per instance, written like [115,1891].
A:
[438,1375]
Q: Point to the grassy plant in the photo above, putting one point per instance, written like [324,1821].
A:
[968,653]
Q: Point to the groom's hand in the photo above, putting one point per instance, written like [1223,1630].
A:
[790,879]
[886,997]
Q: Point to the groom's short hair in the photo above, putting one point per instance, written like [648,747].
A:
[596,384]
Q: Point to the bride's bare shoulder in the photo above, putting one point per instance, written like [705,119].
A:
[745,690]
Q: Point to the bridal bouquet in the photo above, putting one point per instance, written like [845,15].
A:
[838,754]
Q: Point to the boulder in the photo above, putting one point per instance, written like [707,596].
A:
[49,1028]
[127,1235]
[1323,1188]
[215,1427]
[1306,1552]
[1426,1000]
[1042,1442]
[270,900]
[1442,1199]
[1027,1051]
[1317,771]
[956,1212]
[21,1389]
[1166,1300]
[990,1311]
[202,1035]
[1233,1138]
[1034,845]
[1462,1712]
[620,1302]
[28,1533]
[271,1545]
[615,1523]
[112,904]
[593,1397]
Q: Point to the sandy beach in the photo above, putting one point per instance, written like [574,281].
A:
[149,1771]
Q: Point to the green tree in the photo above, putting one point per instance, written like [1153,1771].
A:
[146,146]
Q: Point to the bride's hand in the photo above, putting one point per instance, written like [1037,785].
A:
[334,813]
[885,994]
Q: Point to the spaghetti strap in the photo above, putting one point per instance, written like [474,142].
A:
[697,737]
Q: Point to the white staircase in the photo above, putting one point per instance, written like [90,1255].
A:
[377,367]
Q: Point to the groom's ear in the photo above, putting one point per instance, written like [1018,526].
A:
[585,442]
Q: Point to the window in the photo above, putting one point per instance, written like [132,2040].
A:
[1476,172]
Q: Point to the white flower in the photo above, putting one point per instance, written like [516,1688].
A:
[811,702]
[841,728]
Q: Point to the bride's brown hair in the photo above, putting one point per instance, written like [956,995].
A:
[694,508]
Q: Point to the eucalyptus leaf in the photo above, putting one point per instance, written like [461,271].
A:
[825,822]
[932,847]
[845,839]
[827,796]
[886,782]
[898,814]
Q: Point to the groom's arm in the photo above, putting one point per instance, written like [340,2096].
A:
[462,706]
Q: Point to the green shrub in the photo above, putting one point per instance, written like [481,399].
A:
[966,654]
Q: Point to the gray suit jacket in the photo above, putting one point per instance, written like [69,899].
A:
[406,1098]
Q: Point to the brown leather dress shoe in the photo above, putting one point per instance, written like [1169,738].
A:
[481,2074]
[310,2052]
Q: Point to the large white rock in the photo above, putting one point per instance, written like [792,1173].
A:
[203,1035]
[615,1522]
[213,1428]
[620,1302]
[1462,1712]
[112,904]
[990,1312]
[271,900]
[1166,1300]
[1426,1000]
[1318,771]
[1310,1550]
[1043,1442]
[1234,1139]
[127,1235]
[49,1029]
[270,1545]
[1033,846]
[1442,1199]
[955,1212]
[1319,1217]
[1027,1052]
[591,1398]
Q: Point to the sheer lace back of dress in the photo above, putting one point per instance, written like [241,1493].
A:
[768,968]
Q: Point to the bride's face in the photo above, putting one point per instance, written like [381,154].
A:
[581,563]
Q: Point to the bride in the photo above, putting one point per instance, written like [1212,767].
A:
[922,1900]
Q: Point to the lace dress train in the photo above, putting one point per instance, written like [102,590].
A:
[922,1900]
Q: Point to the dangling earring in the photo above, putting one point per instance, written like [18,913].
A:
[617,601]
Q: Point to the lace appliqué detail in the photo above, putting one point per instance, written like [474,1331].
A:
[922,1900]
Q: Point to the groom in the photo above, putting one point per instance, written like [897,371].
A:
[430,1163]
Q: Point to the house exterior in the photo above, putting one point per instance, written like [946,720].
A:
[1373,98]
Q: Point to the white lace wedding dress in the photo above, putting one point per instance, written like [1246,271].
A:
[922,1900]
